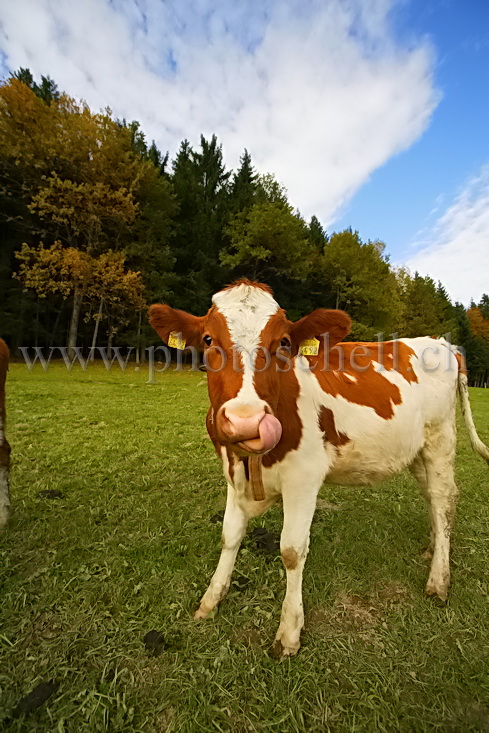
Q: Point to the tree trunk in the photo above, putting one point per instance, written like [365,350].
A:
[98,318]
[138,350]
[75,317]
[56,323]
[36,332]
[109,342]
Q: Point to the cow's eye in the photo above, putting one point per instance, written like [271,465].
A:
[207,340]
[285,343]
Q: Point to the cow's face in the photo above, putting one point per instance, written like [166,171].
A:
[249,347]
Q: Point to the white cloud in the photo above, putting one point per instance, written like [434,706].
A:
[456,249]
[319,91]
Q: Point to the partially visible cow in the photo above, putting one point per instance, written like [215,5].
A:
[284,422]
[4,446]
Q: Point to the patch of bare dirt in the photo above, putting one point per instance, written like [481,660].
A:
[474,717]
[363,615]
[350,614]
[45,626]
[165,721]
[356,611]
[327,506]
[318,617]
[393,594]
[348,611]
[248,637]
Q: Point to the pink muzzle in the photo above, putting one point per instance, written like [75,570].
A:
[257,434]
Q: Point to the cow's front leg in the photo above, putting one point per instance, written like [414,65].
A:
[233,531]
[299,507]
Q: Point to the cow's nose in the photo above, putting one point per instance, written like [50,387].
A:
[255,433]
[242,428]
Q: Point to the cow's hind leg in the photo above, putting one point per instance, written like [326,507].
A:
[438,457]
[233,531]
[4,479]
[418,470]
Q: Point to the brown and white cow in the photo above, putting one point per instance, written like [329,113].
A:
[4,446]
[283,423]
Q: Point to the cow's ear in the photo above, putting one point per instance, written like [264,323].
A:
[337,324]
[166,320]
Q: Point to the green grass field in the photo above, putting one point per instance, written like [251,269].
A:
[129,547]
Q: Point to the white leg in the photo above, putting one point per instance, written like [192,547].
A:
[233,530]
[4,480]
[299,506]
[418,470]
[438,456]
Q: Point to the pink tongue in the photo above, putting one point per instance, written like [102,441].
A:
[270,433]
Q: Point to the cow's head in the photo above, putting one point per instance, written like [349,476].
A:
[249,347]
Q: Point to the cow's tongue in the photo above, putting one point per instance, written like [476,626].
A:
[270,430]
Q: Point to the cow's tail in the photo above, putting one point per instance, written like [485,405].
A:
[463,390]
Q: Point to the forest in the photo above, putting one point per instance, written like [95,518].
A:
[96,224]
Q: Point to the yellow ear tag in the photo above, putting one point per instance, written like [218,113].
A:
[176,341]
[309,347]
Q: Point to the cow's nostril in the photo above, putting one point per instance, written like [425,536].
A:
[227,422]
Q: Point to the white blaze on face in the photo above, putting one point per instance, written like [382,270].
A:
[247,310]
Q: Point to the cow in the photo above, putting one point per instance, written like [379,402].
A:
[292,405]
[4,446]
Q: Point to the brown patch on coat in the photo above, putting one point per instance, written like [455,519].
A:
[276,328]
[231,458]
[348,370]
[290,558]
[283,401]
[216,326]
[462,366]
[328,426]
[224,364]
[211,429]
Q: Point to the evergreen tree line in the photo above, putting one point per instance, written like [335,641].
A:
[95,224]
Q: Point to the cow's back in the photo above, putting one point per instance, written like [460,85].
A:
[373,421]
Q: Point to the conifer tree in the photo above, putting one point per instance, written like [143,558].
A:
[244,185]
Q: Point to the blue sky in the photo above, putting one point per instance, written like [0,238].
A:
[372,113]
[404,198]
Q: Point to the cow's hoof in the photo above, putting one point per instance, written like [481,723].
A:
[4,517]
[438,592]
[279,651]
[200,614]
